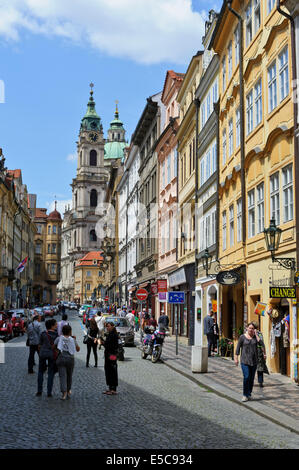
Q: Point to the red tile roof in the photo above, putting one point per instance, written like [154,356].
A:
[175,76]
[88,259]
[14,173]
[41,213]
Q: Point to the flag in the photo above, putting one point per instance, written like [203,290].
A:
[22,265]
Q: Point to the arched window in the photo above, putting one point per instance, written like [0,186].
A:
[93,198]
[93,158]
[92,236]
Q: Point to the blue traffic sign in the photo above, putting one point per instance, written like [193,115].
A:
[176,297]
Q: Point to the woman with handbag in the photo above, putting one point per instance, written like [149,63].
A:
[111,347]
[67,346]
[92,342]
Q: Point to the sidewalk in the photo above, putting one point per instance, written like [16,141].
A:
[278,400]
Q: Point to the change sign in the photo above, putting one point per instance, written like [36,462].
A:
[283,292]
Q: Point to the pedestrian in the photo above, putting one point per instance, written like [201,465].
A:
[163,320]
[33,339]
[67,345]
[111,347]
[248,343]
[47,357]
[136,320]
[61,323]
[131,318]
[152,321]
[92,342]
[261,359]
[145,320]
[208,330]
[216,334]
[63,309]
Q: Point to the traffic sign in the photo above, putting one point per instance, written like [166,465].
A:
[142,294]
[176,297]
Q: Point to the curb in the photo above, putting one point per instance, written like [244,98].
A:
[276,417]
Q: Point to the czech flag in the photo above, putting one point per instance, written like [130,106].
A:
[22,265]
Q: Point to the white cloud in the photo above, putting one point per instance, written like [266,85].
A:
[60,206]
[72,157]
[145,31]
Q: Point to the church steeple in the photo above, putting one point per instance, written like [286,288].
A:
[116,142]
[91,121]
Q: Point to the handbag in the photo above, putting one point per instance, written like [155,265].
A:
[27,342]
[85,339]
[54,349]
[112,357]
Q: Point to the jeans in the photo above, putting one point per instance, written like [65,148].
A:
[65,364]
[248,379]
[91,344]
[32,351]
[260,377]
[210,337]
[41,370]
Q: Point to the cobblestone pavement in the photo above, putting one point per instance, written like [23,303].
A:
[278,393]
[156,408]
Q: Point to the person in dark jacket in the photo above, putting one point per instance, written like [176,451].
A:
[208,330]
[92,341]
[46,356]
[111,347]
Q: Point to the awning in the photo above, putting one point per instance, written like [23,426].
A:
[145,284]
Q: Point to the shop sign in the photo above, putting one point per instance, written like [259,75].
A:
[297,278]
[176,297]
[214,306]
[154,288]
[177,278]
[228,278]
[283,292]
[162,296]
[162,285]
[260,308]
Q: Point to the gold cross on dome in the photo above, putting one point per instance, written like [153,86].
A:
[91,85]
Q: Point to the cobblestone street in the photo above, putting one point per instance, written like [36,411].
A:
[157,408]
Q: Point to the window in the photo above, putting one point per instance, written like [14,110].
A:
[249,112]
[39,228]
[49,229]
[38,249]
[223,73]
[202,171]
[239,220]
[209,109]
[203,114]
[271,4]
[54,248]
[251,214]
[92,236]
[230,60]
[224,147]
[163,174]
[287,181]
[215,91]
[230,138]
[93,158]
[224,230]
[283,73]
[272,90]
[257,15]
[49,248]
[53,268]
[88,273]
[214,157]
[258,102]
[87,287]
[260,208]
[237,45]
[208,165]
[54,230]
[248,24]
[37,269]
[238,127]
[194,153]
[274,198]
[175,162]
[231,226]
[93,198]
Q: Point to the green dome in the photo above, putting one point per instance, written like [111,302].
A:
[114,150]
[91,121]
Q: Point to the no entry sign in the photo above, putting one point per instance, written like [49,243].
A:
[141,294]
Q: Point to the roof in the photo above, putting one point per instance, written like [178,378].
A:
[41,213]
[88,259]
[54,215]
[114,150]
[14,173]
[175,76]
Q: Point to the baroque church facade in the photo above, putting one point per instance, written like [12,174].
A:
[95,158]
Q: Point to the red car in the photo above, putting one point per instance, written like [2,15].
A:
[6,330]
[48,312]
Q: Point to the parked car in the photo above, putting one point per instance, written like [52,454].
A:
[6,327]
[124,328]
[48,312]
[73,306]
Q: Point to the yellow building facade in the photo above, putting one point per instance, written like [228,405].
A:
[266,169]
[89,278]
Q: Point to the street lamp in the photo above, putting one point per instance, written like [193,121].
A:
[206,262]
[272,238]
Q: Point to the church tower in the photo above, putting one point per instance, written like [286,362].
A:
[116,142]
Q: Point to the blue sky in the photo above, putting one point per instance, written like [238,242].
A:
[50,50]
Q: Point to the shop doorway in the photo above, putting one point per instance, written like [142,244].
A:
[284,352]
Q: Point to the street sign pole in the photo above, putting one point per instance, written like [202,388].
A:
[176,331]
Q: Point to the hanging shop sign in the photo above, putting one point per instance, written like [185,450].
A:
[260,308]
[154,288]
[282,292]
[162,296]
[162,285]
[228,278]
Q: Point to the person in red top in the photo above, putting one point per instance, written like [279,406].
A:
[152,321]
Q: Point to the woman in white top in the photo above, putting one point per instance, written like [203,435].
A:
[67,346]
